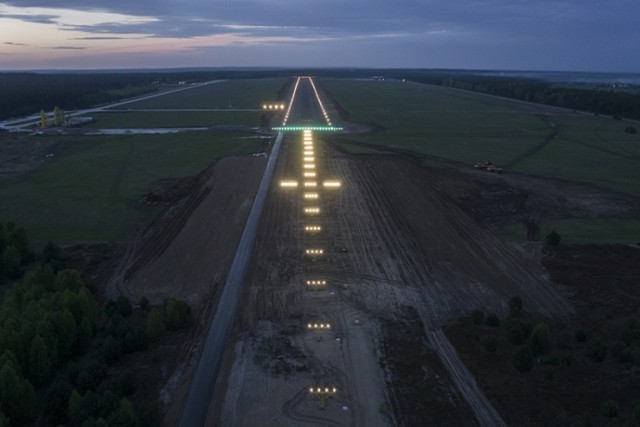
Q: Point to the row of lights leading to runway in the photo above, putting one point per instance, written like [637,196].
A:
[308,163]
[324,110]
[293,96]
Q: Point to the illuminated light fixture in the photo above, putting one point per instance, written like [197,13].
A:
[308,152]
[309,166]
[293,96]
[285,128]
[318,326]
[309,174]
[312,210]
[308,159]
[288,184]
[311,196]
[332,184]
[316,282]
[314,251]
[310,184]
[312,228]
[323,390]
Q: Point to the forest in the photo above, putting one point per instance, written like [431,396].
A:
[27,93]
[61,349]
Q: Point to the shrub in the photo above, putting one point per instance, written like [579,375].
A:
[539,339]
[553,239]
[523,359]
[516,331]
[144,303]
[124,306]
[515,307]
[610,409]
[477,316]
[488,343]
[597,351]
[155,327]
[623,354]
[177,313]
[12,263]
[493,320]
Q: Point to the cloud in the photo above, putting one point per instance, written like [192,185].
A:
[104,38]
[37,19]
[68,48]
[388,32]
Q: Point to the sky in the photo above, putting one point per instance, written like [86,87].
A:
[547,35]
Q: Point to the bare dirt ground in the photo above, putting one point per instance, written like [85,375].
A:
[567,386]
[408,249]
[186,253]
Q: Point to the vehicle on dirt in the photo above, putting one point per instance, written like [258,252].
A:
[488,166]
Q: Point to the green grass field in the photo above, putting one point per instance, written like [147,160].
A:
[90,193]
[170,119]
[579,231]
[248,93]
[470,128]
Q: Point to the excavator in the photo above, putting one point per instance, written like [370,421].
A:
[488,166]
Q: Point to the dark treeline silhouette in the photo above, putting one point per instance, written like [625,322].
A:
[27,93]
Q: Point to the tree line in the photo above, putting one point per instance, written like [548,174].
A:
[59,351]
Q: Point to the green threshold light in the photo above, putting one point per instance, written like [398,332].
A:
[302,128]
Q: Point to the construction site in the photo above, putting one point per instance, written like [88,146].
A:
[359,262]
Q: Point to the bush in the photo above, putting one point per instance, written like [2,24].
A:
[12,263]
[515,307]
[552,239]
[623,354]
[523,359]
[597,351]
[493,320]
[488,344]
[155,327]
[144,303]
[177,313]
[124,306]
[581,336]
[539,339]
[610,409]
[516,331]
[630,129]
[477,316]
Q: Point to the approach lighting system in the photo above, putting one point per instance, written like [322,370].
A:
[309,174]
[309,159]
[288,184]
[314,251]
[308,153]
[332,184]
[299,128]
[311,196]
[312,211]
[273,107]
[316,282]
[310,184]
[323,390]
[309,166]
[312,228]
[318,326]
